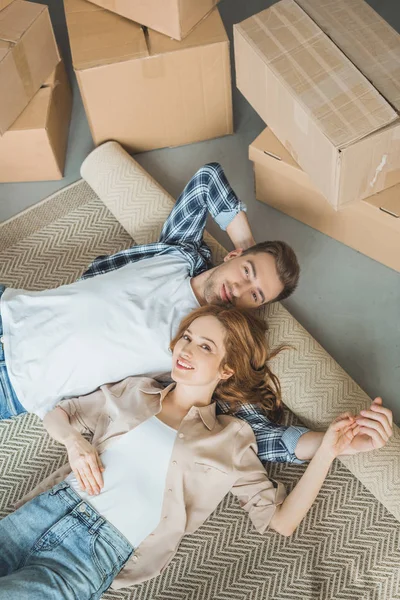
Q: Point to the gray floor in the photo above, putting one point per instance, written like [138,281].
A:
[348,302]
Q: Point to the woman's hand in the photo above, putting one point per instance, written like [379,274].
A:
[86,464]
[339,435]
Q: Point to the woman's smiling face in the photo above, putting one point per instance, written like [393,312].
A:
[198,355]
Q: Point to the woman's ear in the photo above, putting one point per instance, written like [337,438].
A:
[226,373]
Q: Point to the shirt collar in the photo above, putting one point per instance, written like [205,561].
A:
[207,413]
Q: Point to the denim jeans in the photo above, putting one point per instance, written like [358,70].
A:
[57,547]
[9,403]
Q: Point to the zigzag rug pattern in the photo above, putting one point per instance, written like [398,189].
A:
[347,547]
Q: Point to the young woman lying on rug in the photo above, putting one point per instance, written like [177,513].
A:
[167,459]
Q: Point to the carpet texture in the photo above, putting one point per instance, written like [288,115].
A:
[348,545]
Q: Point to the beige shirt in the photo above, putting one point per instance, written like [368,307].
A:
[212,455]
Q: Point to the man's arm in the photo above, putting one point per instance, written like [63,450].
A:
[240,233]
[275,443]
[375,430]
[208,192]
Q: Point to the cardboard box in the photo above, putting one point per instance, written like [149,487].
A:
[28,55]
[175,18]
[147,91]
[320,106]
[34,147]
[371,226]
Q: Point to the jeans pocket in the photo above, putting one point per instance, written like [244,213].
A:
[107,559]
[54,536]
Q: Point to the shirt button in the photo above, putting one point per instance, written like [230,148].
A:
[170,490]
[174,463]
[134,558]
[181,435]
[165,517]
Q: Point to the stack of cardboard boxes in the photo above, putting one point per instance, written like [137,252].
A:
[35,99]
[142,88]
[139,86]
[325,78]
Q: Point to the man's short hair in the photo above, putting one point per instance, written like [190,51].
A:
[287,265]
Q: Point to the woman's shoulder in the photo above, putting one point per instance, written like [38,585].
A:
[236,425]
[147,385]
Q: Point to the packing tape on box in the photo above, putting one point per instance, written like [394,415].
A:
[315,387]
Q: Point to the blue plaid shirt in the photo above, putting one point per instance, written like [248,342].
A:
[207,192]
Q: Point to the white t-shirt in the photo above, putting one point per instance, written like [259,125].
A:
[133,491]
[68,341]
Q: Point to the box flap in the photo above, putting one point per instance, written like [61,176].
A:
[329,88]
[99,37]
[210,31]
[267,146]
[367,39]
[388,200]
[16,18]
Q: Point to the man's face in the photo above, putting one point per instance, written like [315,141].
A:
[244,281]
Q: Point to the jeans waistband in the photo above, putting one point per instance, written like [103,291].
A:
[93,520]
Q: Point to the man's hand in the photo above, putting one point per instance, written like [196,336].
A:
[374,428]
[86,464]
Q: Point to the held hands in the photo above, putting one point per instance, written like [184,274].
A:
[369,430]
[86,465]
[339,436]
[375,427]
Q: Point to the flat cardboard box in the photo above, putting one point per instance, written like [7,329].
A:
[34,147]
[28,55]
[341,130]
[175,18]
[371,226]
[145,90]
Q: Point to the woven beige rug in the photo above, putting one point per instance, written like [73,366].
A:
[348,545]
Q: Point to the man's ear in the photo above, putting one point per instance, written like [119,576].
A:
[233,254]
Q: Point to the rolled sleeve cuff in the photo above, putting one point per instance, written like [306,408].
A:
[226,217]
[290,438]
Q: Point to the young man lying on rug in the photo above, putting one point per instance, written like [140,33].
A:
[117,320]
[162,459]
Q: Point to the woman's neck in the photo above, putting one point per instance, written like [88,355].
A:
[183,397]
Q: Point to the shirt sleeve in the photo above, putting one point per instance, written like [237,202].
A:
[208,192]
[276,443]
[257,493]
[111,262]
[84,411]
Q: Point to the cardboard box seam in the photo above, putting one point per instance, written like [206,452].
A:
[140,58]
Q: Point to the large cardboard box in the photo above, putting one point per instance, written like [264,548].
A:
[371,226]
[175,18]
[341,130]
[34,147]
[145,90]
[28,55]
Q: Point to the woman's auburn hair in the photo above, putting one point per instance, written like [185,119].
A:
[247,354]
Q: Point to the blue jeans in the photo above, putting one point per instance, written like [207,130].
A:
[10,406]
[57,547]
